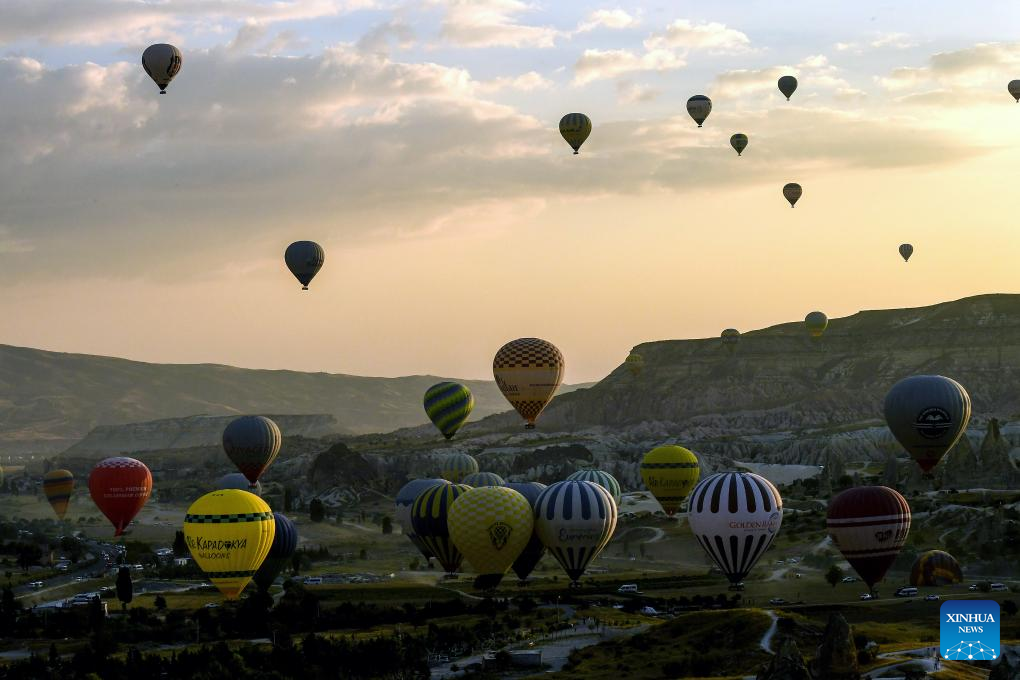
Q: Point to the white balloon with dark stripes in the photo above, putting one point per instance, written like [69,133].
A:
[575,520]
[735,516]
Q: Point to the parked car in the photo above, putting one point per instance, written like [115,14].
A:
[1000,588]
[973,586]
[848,579]
[867,596]
[628,589]
[906,591]
[931,597]
[777,601]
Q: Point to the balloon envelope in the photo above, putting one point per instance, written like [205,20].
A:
[252,443]
[575,128]
[816,323]
[304,260]
[162,62]
[635,364]
[935,568]
[430,519]
[792,193]
[602,478]
[235,480]
[285,540]
[404,500]
[739,143]
[229,533]
[906,250]
[483,479]
[533,551]
[528,371]
[927,414]
[869,525]
[575,520]
[735,516]
[699,106]
[448,405]
[491,526]
[457,466]
[670,472]
[120,487]
[1014,89]
[58,485]
[787,85]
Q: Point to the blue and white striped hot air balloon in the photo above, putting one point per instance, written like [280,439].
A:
[735,516]
[575,520]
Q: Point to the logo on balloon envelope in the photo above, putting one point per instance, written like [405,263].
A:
[769,525]
[933,423]
[499,534]
[969,630]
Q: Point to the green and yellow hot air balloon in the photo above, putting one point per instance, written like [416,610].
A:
[670,472]
[229,533]
[457,466]
[635,364]
[448,405]
[58,485]
[816,323]
[430,521]
[575,128]
[490,526]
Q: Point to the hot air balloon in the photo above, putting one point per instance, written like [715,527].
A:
[490,526]
[906,250]
[229,533]
[575,128]
[600,477]
[935,568]
[533,551]
[58,485]
[457,466]
[730,338]
[235,480]
[430,520]
[285,539]
[792,192]
[927,414]
[735,516]
[575,521]
[304,260]
[1014,89]
[816,323]
[483,479]
[119,487]
[869,525]
[635,364]
[448,405]
[699,106]
[528,371]
[670,472]
[162,62]
[405,499]
[252,443]
[739,143]
[787,85]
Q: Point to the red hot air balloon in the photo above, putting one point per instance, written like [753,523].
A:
[119,487]
[869,525]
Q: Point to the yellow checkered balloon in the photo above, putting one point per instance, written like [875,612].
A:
[491,525]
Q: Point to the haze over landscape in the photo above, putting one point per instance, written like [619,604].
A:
[637,340]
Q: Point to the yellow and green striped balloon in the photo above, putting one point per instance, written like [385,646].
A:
[457,466]
[448,405]
[575,128]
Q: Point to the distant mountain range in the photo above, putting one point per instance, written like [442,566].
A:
[50,400]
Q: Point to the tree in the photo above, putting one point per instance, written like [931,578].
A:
[9,604]
[28,554]
[387,526]
[288,499]
[834,575]
[159,603]
[180,545]
[125,589]
[1009,607]
[316,510]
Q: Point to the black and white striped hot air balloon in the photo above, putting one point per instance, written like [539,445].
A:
[575,520]
[735,516]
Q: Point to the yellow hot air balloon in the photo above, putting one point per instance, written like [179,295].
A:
[490,525]
[635,364]
[58,485]
[229,533]
[670,472]
[816,323]
[528,371]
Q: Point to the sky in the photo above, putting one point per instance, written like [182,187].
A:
[417,142]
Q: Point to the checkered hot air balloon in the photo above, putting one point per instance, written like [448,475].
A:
[490,526]
[448,405]
[528,371]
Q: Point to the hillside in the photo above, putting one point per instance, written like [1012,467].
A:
[50,400]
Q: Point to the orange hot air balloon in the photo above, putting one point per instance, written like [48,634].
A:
[58,485]
[119,487]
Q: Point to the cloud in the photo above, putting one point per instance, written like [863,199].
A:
[686,35]
[881,41]
[492,23]
[601,64]
[957,70]
[814,72]
[629,92]
[380,37]
[616,19]
[10,244]
[95,22]
[526,82]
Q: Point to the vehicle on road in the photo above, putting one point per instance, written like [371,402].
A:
[649,611]
[973,586]
[849,579]
[906,591]
[867,596]
[931,597]
[628,589]
[777,601]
